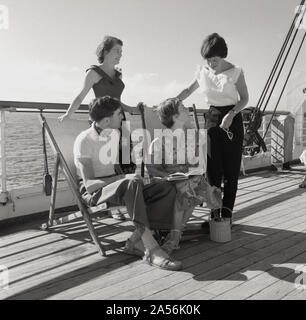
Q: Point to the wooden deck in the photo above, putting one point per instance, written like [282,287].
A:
[268,243]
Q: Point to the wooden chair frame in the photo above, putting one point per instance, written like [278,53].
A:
[85,212]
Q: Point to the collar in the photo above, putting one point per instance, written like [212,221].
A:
[104,133]
[96,128]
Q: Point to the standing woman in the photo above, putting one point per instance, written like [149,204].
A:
[104,79]
[225,90]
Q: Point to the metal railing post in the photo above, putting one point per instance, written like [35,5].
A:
[3,194]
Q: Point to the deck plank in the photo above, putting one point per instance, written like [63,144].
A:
[283,287]
[268,242]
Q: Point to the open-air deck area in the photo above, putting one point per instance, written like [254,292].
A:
[268,244]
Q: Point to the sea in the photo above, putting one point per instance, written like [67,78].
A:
[24,149]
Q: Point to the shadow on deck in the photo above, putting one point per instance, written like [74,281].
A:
[268,243]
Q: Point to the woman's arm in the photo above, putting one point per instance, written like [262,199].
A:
[156,152]
[243,93]
[90,79]
[188,91]
[156,170]
[243,100]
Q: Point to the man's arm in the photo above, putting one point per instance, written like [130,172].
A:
[87,173]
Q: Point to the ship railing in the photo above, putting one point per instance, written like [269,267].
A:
[56,108]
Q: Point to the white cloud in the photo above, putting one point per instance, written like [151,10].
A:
[39,81]
[50,82]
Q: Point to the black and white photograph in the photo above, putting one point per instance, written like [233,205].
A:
[153,153]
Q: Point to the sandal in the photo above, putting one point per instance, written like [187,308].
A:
[164,263]
[132,250]
[170,244]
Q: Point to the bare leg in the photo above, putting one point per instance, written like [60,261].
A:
[187,215]
[174,237]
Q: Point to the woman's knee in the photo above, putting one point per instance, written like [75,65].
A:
[169,188]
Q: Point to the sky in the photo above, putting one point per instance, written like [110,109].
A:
[49,44]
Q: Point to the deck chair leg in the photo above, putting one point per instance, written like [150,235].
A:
[53,194]
[92,231]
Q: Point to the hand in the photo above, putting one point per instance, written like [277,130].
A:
[133,175]
[214,197]
[64,117]
[227,120]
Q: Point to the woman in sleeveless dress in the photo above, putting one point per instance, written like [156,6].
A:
[225,91]
[106,80]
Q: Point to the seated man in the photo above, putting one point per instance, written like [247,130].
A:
[193,190]
[100,181]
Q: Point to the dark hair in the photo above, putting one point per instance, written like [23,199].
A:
[167,109]
[214,46]
[103,107]
[106,45]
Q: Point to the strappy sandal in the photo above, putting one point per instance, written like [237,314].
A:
[131,250]
[170,245]
[164,263]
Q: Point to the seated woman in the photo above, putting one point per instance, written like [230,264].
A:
[193,190]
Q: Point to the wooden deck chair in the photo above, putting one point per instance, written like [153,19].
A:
[61,138]
[151,121]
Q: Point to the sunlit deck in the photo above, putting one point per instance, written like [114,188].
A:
[268,243]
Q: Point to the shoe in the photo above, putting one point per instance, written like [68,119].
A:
[214,213]
[226,213]
[117,215]
[131,250]
[205,226]
[302,185]
[164,263]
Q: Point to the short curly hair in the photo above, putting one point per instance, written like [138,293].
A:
[167,109]
[106,45]
[103,107]
[214,46]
